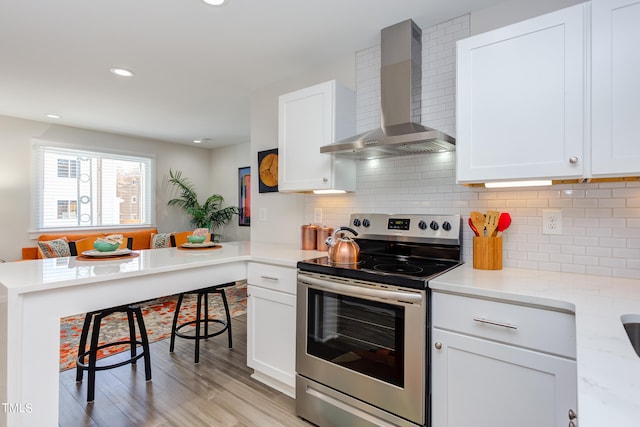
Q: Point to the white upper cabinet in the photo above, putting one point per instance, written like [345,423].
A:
[521,100]
[615,87]
[308,119]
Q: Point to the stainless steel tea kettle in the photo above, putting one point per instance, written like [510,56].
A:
[343,249]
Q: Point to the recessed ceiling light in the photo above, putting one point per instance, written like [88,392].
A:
[52,116]
[197,141]
[123,72]
[215,2]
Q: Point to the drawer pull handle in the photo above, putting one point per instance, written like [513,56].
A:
[492,322]
[268,278]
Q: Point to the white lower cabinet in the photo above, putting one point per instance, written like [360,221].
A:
[271,325]
[487,369]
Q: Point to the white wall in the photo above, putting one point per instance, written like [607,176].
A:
[15,174]
[284,211]
[601,222]
[508,12]
[225,162]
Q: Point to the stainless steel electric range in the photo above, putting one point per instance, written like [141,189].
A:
[363,329]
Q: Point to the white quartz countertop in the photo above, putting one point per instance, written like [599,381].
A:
[608,367]
[54,273]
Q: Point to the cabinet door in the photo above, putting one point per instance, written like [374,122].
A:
[478,382]
[520,100]
[271,333]
[615,87]
[308,119]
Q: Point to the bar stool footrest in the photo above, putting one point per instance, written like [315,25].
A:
[132,360]
[202,337]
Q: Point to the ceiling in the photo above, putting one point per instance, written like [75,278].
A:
[195,65]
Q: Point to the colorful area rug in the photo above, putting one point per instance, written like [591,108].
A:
[158,316]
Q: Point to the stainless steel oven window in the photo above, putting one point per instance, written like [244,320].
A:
[358,334]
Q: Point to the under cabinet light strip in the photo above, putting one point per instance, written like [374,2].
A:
[505,184]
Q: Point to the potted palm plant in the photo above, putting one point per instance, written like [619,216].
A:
[210,214]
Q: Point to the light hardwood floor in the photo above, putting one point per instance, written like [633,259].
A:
[216,392]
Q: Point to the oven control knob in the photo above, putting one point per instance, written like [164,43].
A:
[366,223]
[356,222]
[422,225]
[434,225]
[446,226]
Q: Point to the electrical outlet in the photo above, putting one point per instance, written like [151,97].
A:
[317,215]
[551,221]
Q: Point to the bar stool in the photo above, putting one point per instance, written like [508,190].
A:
[96,318]
[202,302]
[202,322]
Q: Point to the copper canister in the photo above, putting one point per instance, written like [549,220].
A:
[309,236]
[323,233]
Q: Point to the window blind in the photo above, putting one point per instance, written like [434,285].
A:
[75,188]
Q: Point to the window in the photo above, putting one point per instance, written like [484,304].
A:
[67,168]
[79,188]
[67,209]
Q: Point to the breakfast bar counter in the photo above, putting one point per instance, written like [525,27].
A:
[35,294]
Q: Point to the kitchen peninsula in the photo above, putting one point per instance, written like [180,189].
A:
[35,294]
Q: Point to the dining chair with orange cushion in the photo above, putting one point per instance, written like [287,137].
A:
[180,238]
[79,246]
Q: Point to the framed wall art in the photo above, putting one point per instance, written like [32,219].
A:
[244,196]
[268,171]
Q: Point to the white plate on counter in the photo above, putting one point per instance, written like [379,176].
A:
[97,254]
[198,245]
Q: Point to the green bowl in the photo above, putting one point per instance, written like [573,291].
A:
[105,247]
[196,239]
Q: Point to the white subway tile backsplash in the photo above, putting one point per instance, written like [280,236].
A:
[597,251]
[601,221]
[612,262]
[573,268]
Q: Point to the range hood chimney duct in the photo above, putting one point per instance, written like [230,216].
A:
[401,100]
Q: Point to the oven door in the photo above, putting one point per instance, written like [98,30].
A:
[365,340]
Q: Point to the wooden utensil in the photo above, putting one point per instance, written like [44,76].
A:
[473,227]
[491,222]
[504,221]
[477,218]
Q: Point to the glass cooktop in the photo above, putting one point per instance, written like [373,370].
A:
[388,269]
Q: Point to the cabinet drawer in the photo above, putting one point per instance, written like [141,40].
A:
[274,277]
[534,328]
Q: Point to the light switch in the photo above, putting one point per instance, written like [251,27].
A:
[263,214]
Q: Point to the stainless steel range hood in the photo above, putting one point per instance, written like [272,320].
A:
[401,92]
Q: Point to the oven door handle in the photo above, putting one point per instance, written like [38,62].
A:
[341,288]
